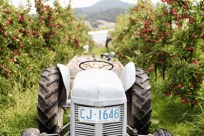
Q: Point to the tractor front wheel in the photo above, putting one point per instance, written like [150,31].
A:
[50,114]
[31,132]
[139,103]
[162,132]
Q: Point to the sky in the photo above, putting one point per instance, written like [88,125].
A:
[84,3]
[75,3]
[64,3]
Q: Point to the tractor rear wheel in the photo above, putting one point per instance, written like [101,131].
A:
[139,103]
[50,114]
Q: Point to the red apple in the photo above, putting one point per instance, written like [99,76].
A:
[8,23]
[8,11]
[147,23]
[188,100]
[154,40]
[191,20]
[194,102]
[165,24]
[52,17]
[167,93]
[9,75]
[14,38]
[21,46]
[166,12]
[168,1]
[42,11]
[178,25]
[195,62]
[120,54]
[180,86]
[198,80]
[193,35]
[182,100]
[7,70]
[20,18]
[15,52]
[188,93]
[190,49]
[192,86]
[41,17]
[185,7]
[162,53]
[27,33]
[9,19]
[178,18]
[173,12]
[201,36]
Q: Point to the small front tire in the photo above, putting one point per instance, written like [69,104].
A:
[31,132]
[162,132]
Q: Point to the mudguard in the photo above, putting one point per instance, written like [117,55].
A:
[64,71]
[128,76]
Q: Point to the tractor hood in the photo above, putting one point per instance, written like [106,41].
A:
[98,87]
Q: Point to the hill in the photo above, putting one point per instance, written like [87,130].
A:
[106,10]
[104,5]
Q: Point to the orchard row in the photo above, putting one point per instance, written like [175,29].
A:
[31,42]
[168,39]
[50,28]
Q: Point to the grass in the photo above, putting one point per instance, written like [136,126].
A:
[14,119]
[98,50]
[167,113]
[170,114]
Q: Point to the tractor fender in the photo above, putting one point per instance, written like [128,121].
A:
[65,74]
[128,76]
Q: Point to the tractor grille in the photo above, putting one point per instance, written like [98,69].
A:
[109,129]
[113,129]
[84,129]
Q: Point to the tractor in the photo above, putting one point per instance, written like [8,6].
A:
[104,98]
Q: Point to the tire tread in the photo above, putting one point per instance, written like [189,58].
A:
[47,108]
[140,103]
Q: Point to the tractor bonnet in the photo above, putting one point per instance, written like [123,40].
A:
[98,87]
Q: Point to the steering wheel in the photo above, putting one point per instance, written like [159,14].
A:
[95,64]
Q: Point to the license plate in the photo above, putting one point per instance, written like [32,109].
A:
[99,115]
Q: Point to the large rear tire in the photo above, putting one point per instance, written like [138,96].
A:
[50,114]
[139,103]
